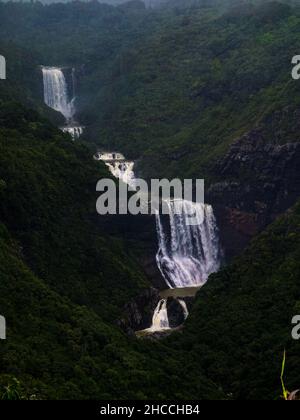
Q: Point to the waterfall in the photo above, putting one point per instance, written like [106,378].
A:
[56,92]
[189,248]
[75,131]
[184,308]
[123,171]
[118,166]
[160,319]
[56,96]
[189,252]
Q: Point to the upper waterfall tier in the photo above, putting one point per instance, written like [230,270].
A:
[56,92]
[188,252]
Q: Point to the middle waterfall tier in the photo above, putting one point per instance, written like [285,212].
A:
[119,167]
[189,248]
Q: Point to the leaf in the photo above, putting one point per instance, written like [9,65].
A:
[284,391]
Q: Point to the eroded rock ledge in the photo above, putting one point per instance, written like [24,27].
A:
[262,180]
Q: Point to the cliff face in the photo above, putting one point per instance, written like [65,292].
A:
[138,312]
[261,181]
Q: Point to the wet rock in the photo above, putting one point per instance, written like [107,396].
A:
[175,313]
[138,312]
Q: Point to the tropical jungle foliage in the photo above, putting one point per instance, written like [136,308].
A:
[172,87]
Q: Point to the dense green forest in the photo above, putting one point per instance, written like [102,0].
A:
[191,80]
[68,282]
[172,87]
[63,282]
[207,80]
[241,318]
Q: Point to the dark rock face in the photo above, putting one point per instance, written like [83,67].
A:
[262,180]
[138,312]
[175,313]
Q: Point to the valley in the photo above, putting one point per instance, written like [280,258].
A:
[149,306]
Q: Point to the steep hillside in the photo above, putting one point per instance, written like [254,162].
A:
[210,95]
[172,88]
[23,79]
[188,92]
[58,350]
[64,282]
[241,322]
[48,201]
[197,84]
[70,34]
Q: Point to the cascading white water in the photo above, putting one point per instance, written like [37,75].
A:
[123,171]
[118,166]
[75,131]
[184,308]
[56,92]
[160,320]
[56,96]
[190,252]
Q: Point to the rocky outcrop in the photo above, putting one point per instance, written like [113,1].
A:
[261,180]
[138,312]
[175,313]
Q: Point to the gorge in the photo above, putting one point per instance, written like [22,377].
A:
[188,253]
[123,306]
